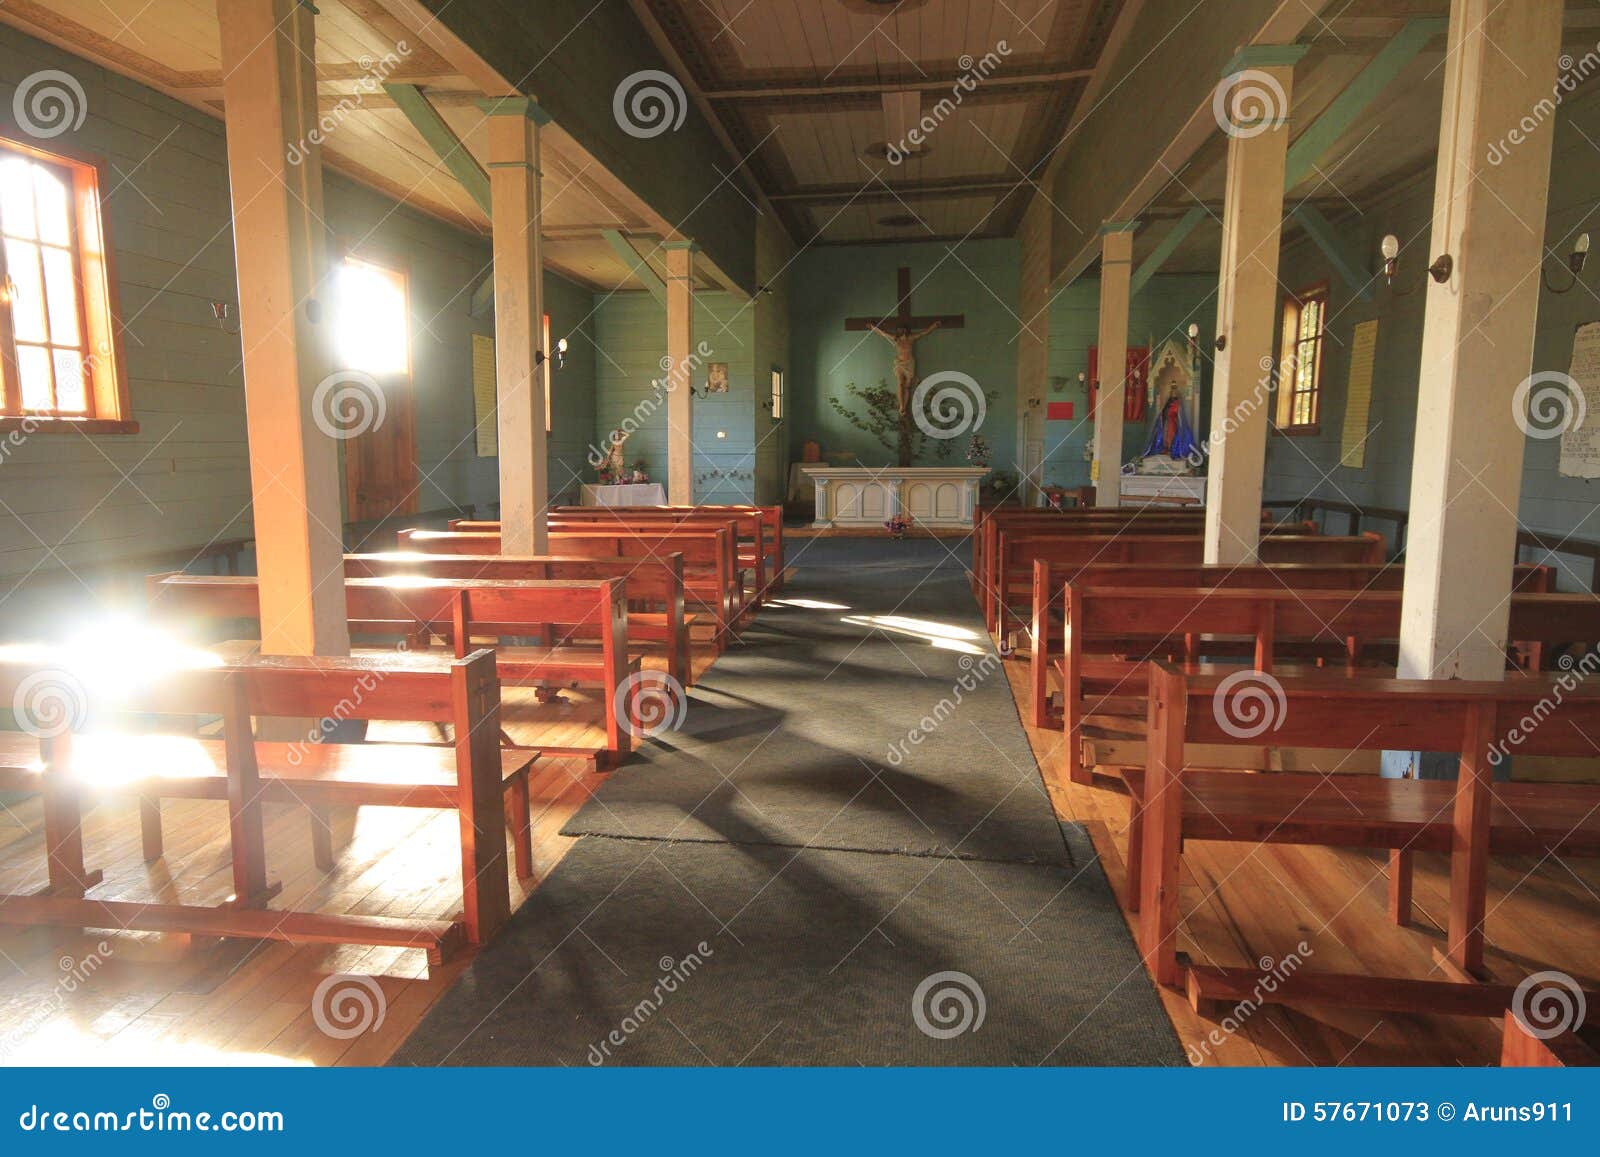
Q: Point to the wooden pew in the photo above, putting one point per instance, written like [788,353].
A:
[710,578]
[766,529]
[745,524]
[460,609]
[1010,583]
[1471,819]
[1046,621]
[1569,1048]
[469,775]
[767,533]
[1140,623]
[653,588]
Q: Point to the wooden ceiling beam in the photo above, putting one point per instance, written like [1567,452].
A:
[877,191]
[789,90]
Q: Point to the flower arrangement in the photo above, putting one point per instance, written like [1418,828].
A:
[640,473]
[978,450]
[897,526]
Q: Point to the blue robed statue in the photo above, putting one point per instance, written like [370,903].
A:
[1170,433]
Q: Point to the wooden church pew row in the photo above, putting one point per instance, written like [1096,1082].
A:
[1010,590]
[768,534]
[653,586]
[709,576]
[1046,620]
[468,775]
[460,609]
[745,558]
[1568,1049]
[1136,624]
[1109,520]
[1473,818]
[771,523]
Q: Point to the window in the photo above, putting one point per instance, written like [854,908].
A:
[59,354]
[374,335]
[777,394]
[1300,360]
[549,355]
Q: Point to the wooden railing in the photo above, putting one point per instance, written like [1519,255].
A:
[1536,546]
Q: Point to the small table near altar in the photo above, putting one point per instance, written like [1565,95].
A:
[631,494]
[932,496]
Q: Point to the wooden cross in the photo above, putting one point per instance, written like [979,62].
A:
[903,318]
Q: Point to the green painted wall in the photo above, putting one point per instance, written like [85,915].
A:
[630,332]
[1160,312]
[829,284]
[1310,465]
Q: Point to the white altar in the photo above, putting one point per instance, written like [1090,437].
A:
[1141,489]
[932,496]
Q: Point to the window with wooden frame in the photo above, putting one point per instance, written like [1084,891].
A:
[777,394]
[60,355]
[1300,361]
[374,319]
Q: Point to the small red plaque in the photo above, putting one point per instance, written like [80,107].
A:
[1058,411]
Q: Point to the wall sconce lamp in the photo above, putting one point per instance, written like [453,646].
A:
[539,356]
[1575,263]
[1085,384]
[1440,270]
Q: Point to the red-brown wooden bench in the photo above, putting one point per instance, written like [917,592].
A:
[469,775]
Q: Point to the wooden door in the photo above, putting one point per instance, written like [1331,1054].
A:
[380,452]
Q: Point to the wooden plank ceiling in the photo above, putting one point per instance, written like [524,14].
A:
[812,91]
[173,46]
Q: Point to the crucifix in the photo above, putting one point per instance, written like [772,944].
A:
[902,331]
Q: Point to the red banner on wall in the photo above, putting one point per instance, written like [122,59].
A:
[1058,412]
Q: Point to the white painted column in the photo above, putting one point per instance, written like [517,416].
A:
[680,353]
[270,99]
[1116,273]
[1477,340]
[516,212]
[1260,92]
[1033,346]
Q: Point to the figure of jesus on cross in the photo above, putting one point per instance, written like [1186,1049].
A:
[902,331]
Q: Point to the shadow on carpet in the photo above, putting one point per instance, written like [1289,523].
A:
[652,953]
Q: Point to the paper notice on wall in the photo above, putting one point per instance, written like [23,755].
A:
[1569,404]
[483,396]
[1358,396]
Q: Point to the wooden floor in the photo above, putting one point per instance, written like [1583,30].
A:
[98,998]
